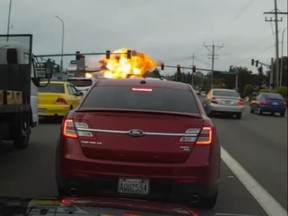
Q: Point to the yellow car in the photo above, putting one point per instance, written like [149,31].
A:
[57,98]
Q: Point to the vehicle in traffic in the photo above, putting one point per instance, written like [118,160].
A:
[19,79]
[223,101]
[268,102]
[139,138]
[57,98]
[82,84]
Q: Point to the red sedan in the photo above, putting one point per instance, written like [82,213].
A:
[140,138]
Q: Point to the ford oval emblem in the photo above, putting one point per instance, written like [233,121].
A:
[136,133]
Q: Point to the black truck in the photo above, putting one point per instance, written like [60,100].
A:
[19,82]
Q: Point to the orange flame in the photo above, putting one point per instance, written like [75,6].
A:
[119,66]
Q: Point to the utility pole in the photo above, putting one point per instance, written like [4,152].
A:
[9,15]
[192,75]
[276,20]
[211,49]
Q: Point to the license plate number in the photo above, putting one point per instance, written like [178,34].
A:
[275,103]
[133,186]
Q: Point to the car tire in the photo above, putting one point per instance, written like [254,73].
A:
[282,114]
[209,202]
[22,134]
[259,111]
[238,115]
[251,111]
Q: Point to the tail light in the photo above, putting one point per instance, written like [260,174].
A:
[205,137]
[265,102]
[60,101]
[194,132]
[73,130]
[213,100]
[69,129]
[240,103]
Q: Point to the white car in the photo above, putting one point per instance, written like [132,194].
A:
[82,84]
[224,101]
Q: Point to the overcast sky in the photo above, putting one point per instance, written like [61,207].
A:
[167,30]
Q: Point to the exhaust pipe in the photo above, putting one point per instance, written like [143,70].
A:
[195,198]
[72,191]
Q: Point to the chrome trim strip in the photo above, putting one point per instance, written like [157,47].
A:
[144,133]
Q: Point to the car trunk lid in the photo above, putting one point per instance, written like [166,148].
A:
[137,136]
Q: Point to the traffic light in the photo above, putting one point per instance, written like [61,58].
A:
[193,68]
[178,68]
[78,55]
[128,54]
[108,53]
[162,66]
[256,63]
[252,61]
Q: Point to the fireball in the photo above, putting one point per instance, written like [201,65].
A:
[120,66]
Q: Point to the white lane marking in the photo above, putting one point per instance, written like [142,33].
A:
[264,198]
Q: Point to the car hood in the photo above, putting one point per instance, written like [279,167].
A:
[94,206]
[97,206]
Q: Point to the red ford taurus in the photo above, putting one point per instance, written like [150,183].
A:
[140,138]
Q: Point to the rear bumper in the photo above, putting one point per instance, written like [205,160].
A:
[199,174]
[160,189]
[226,109]
[53,110]
[272,109]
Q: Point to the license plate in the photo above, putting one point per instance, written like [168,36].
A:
[133,186]
[41,110]
[275,103]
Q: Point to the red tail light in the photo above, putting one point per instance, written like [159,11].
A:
[69,129]
[213,100]
[240,103]
[265,102]
[205,137]
[60,101]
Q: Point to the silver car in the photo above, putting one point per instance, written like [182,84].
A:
[225,101]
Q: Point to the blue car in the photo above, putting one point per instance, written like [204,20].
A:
[268,102]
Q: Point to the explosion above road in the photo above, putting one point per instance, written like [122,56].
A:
[121,65]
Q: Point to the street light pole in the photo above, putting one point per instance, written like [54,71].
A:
[62,46]
[9,14]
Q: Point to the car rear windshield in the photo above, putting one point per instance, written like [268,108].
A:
[225,93]
[159,99]
[52,88]
[81,82]
[273,96]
